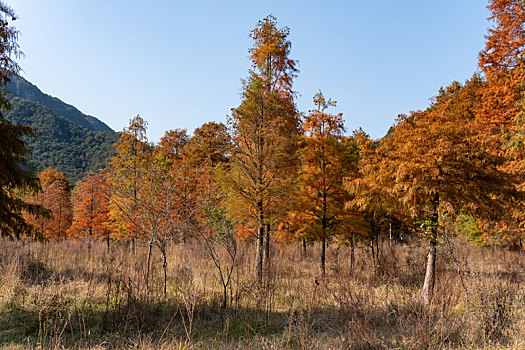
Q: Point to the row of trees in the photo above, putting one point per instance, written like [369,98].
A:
[273,174]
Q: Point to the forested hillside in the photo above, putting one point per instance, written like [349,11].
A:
[20,87]
[67,140]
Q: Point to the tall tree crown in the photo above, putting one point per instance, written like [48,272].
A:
[270,56]
[503,64]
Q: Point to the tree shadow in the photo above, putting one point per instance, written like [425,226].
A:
[75,326]
[161,321]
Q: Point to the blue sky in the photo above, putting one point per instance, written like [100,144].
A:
[179,64]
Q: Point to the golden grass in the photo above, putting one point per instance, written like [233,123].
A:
[63,295]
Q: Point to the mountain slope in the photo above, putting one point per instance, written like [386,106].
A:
[22,88]
[62,143]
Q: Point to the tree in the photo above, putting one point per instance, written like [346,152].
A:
[503,63]
[503,105]
[55,197]
[434,162]
[207,153]
[327,157]
[91,208]
[264,130]
[173,142]
[16,180]
[153,189]
[126,176]
[216,233]
[166,204]
[209,146]
[370,204]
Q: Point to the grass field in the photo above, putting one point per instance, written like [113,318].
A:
[77,295]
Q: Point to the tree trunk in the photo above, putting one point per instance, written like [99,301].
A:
[182,236]
[132,244]
[89,243]
[107,241]
[260,241]
[259,254]
[304,247]
[323,256]
[224,296]
[352,253]
[372,251]
[377,248]
[150,248]
[165,267]
[374,230]
[267,244]
[393,239]
[430,274]
[89,249]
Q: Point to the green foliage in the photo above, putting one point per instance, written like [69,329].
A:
[217,218]
[15,179]
[487,234]
[467,226]
[61,144]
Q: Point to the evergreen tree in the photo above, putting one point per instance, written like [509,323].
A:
[16,179]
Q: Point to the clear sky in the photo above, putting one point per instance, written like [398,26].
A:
[179,63]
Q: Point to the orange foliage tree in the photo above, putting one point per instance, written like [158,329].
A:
[434,162]
[264,129]
[326,158]
[56,198]
[153,190]
[91,208]
[127,171]
[503,63]
[166,203]
[207,154]
[173,142]
[368,203]
[209,146]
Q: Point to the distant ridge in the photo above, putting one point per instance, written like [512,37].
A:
[68,140]
[22,88]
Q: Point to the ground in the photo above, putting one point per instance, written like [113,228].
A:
[77,295]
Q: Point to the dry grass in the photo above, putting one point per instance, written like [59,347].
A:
[60,295]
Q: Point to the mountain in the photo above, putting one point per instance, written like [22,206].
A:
[20,87]
[67,140]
